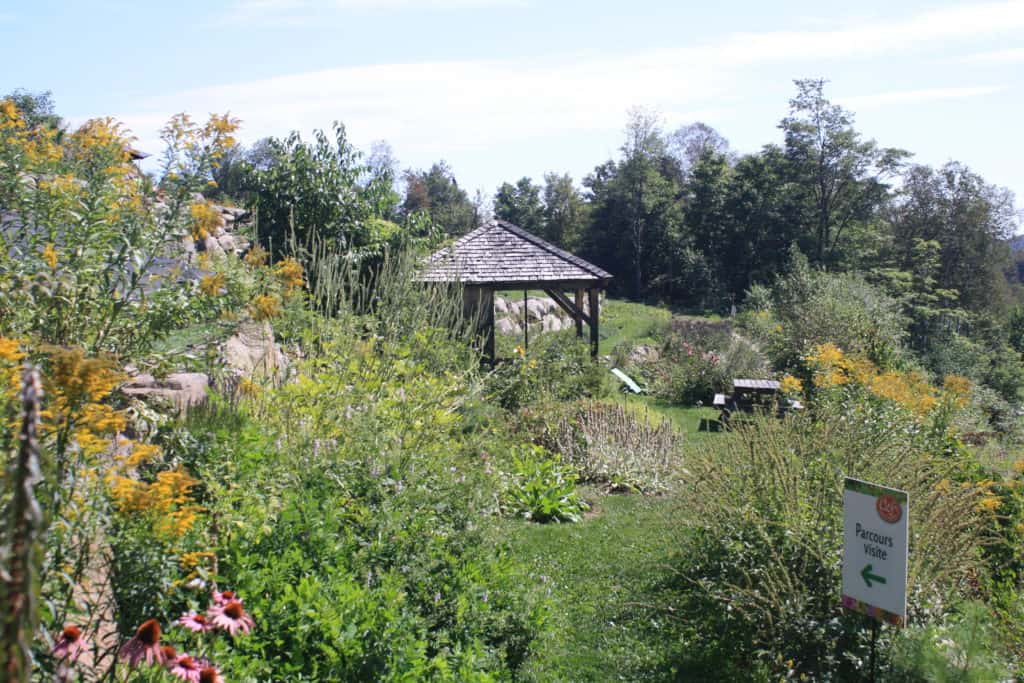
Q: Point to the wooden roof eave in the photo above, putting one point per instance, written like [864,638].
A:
[595,283]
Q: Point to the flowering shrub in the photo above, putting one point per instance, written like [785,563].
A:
[265,307]
[699,358]
[290,273]
[689,375]
[83,231]
[831,368]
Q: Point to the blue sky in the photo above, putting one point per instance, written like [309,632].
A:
[506,88]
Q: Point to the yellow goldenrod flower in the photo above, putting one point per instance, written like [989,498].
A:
[50,255]
[989,503]
[265,307]
[9,350]
[205,220]
[790,385]
[246,387]
[290,272]
[257,256]
[211,285]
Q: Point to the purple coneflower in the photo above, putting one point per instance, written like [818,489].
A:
[195,622]
[225,597]
[170,655]
[144,645]
[187,668]
[210,675]
[70,644]
[231,617]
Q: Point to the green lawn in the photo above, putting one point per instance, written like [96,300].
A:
[686,418]
[624,321]
[605,577]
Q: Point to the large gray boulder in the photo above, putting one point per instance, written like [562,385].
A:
[551,323]
[252,351]
[506,326]
[537,308]
[181,390]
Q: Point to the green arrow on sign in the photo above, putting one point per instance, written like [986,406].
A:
[869,577]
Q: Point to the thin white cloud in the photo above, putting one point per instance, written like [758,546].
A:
[919,96]
[994,57]
[303,12]
[878,36]
[436,109]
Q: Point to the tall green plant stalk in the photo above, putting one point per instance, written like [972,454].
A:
[383,290]
[20,580]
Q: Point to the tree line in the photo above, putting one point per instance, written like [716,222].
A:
[677,216]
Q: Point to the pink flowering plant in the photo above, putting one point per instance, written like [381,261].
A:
[203,637]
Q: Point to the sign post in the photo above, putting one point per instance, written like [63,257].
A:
[875,522]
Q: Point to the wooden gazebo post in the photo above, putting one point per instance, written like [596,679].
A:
[595,318]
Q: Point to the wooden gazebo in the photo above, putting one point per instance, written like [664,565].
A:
[501,256]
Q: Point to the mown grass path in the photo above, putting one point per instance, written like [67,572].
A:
[605,577]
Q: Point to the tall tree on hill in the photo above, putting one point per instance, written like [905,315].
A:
[969,219]
[312,189]
[691,142]
[636,207]
[841,174]
[761,221]
[565,211]
[379,179]
[37,109]
[520,204]
[437,192]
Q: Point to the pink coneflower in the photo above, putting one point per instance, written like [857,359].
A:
[231,617]
[70,644]
[144,645]
[225,597]
[187,668]
[170,655]
[210,674]
[195,622]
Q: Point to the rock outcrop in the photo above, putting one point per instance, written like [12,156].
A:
[252,351]
[181,390]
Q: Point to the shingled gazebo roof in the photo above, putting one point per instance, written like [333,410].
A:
[499,254]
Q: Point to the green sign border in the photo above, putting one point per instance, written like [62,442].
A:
[875,490]
[850,603]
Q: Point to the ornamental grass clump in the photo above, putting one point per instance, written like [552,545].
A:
[614,446]
[765,508]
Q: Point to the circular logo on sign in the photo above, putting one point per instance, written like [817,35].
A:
[888,509]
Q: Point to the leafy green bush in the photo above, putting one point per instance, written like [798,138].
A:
[542,488]
[348,513]
[809,308]
[557,367]
[963,649]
